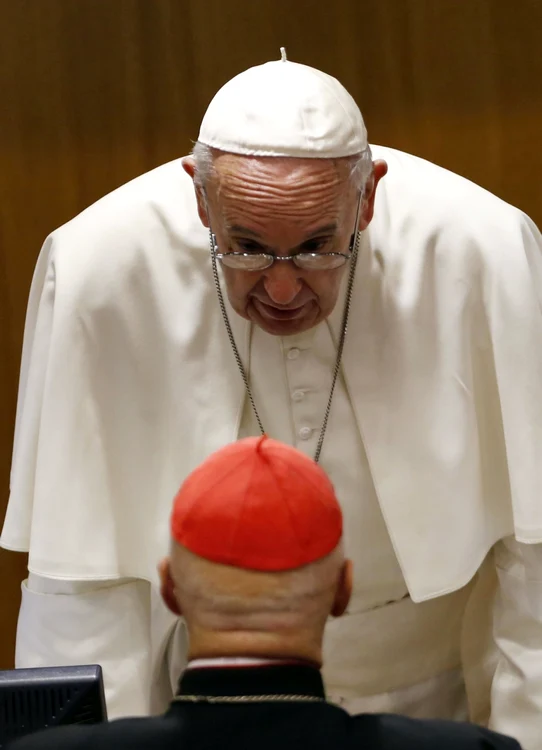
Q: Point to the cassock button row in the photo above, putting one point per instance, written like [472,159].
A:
[305,433]
[298,396]
[293,354]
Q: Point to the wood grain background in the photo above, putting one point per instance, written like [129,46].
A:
[94,92]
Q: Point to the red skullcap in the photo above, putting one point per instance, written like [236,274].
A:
[258,504]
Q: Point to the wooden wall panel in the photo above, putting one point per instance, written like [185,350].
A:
[94,92]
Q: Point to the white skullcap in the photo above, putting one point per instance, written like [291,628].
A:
[284,109]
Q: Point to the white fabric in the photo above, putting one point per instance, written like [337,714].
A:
[425,638]
[141,680]
[518,631]
[284,109]
[122,625]
[381,618]
[377,576]
[231,661]
[105,624]
[128,382]
[152,387]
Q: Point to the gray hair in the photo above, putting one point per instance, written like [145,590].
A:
[361,165]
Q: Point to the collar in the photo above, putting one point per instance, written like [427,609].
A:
[265,677]
[236,661]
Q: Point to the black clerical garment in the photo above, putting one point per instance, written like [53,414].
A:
[278,707]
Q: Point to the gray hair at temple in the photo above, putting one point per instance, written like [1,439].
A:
[361,165]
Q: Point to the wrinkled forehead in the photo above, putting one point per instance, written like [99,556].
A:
[288,175]
[239,182]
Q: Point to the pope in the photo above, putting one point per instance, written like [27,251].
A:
[377,312]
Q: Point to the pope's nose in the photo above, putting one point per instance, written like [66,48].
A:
[282,283]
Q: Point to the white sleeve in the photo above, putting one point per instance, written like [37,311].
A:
[516,696]
[91,622]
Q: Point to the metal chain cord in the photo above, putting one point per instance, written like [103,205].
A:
[230,333]
[344,327]
[248,699]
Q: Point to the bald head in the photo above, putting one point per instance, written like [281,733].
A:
[232,611]
[256,564]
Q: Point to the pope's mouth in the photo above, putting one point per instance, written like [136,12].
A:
[276,313]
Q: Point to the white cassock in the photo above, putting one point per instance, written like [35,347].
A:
[434,443]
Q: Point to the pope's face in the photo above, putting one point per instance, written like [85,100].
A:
[281,207]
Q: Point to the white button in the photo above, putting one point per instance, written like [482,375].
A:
[298,396]
[305,433]
[293,354]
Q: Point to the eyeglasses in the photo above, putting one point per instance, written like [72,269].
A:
[305,261]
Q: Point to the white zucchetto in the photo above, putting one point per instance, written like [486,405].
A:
[284,109]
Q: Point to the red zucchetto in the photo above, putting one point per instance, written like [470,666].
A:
[258,504]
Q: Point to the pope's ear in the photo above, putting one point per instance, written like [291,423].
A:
[189,166]
[380,169]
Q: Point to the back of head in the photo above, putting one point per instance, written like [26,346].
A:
[219,597]
[257,562]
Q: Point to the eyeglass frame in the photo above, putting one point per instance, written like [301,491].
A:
[293,258]
[290,258]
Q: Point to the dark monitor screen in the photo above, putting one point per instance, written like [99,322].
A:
[34,699]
